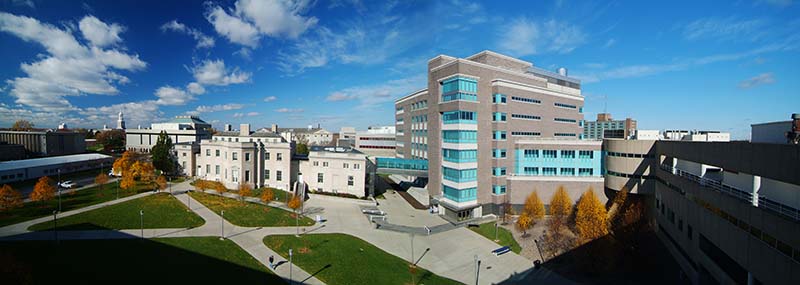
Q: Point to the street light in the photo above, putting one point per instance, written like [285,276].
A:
[495,231]
[141,221]
[55,225]
[222,223]
[477,269]
[290,267]
[59,189]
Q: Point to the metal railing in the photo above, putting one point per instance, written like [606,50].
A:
[744,196]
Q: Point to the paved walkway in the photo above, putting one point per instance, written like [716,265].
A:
[450,253]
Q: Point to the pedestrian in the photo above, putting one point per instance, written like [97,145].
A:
[272,262]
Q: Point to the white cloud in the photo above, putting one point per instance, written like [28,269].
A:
[69,68]
[168,95]
[136,113]
[730,28]
[217,108]
[99,33]
[251,114]
[371,95]
[213,72]
[761,79]
[28,3]
[288,110]
[203,41]
[249,20]
[270,98]
[526,37]
[609,43]
[195,88]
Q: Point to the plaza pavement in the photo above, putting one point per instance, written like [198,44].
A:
[452,253]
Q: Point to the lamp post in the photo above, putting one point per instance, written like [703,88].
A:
[141,221]
[290,267]
[495,231]
[222,224]
[55,225]
[59,189]
[477,269]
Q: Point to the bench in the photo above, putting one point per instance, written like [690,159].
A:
[501,251]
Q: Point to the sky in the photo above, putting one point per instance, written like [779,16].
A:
[713,65]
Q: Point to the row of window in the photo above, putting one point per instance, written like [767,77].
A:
[562,120]
[525,134]
[459,96]
[498,117]
[459,136]
[564,135]
[459,88]
[344,165]
[498,98]
[525,100]
[321,179]
[562,105]
[459,117]
[419,146]
[499,135]
[499,171]
[459,175]
[526,117]
[636,155]
[419,133]
[419,119]
[625,175]
[235,155]
[498,153]
[459,155]
[554,171]
[419,105]
[549,153]
[498,189]
[230,139]
[460,195]
[235,173]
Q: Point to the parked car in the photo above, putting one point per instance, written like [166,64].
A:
[373,212]
[114,174]
[67,184]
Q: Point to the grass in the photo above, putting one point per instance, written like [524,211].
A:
[95,148]
[191,260]
[505,237]
[280,195]
[160,211]
[179,179]
[344,259]
[246,214]
[79,199]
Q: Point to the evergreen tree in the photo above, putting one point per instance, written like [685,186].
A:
[162,153]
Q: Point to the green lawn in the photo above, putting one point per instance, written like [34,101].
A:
[246,214]
[79,199]
[505,236]
[192,260]
[95,148]
[160,211]
[344,259]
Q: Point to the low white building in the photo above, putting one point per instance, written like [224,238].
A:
[26,169]
[335,170]
[377,141]
[181,129]
[649,135]
[310,135]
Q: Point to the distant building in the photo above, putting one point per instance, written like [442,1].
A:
[774,132]
[335,170]
[605,127]
[646,135]
[11,151]
[120,122]
[46,142]
[706,136]
[20,170]
[309,135]
[377,141]
[347,133]
[180,129]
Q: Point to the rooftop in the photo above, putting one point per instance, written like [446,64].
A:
[36,162]
[188,120]
[262,133]
[334,149]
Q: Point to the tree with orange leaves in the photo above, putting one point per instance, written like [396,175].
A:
[9,198]
[127,181]
[245,191]
[294,202]
[524,222]
[267,195]
[124,163]
[221,189]
[560,209]
[43,190]
[591,218]
[101,179]
[161,182]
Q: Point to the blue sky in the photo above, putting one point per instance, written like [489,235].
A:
[718,65]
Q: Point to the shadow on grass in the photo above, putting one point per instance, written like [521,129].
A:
[127,259]
[318,271]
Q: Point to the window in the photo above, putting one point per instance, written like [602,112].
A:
[278,175]
[499,98]
[208,152]
[499,135]
[530,170]
[216,169]
[567,171]
[525,100]
[562,120]
[266,156]
[246,156]
[350,181]
[216,152]
[459,136]
[498,117]
[459,195]
[499,153]
[459,175]
[234,156]
[183,164]
[564,135]
[235,175]
[585,154]
[568,154]
[499,189]
[549,153]
[279,156]
[456,155]
[525,134]
[567,106]
[459,117]
[549,171]
[525,117]
[356,166]
[208,169]
[585,172]
[531,153]
[246,175]
[324,164]
[499,171]
[266,174]
[345,165]
[459,88]
[320,178]
[316,163]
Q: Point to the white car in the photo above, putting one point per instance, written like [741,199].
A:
[67,184]
[114,174]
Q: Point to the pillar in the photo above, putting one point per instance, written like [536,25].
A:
[756,187]
[674,165]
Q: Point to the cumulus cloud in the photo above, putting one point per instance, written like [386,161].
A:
[168,95]
[195,88]
[374,94]
[249,20]
[217,108]
[761,79]
[240,115]
[270,98]
[289,110]
[136,113]
[69,68]
[214,72]
[99,33]
[526,37]
[203,41]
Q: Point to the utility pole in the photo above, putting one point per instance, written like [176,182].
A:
[477,269]
[222,223]
[59,189]
[290,267]
[141,221]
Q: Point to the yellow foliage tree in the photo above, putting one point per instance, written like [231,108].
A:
[294,202]
[591,218]
[124,163]
[144,171]
[534,207]
[200,185]
[245,191]
[220,187]
[267,195]
[524,222]
[560,209]
[127,181]
[161,182]
[9,198]
[43,190]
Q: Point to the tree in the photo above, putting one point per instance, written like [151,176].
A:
[560,209]
[245,191]
[111,139]
[101,179]
[294,202]
[128,181]
[162,153]
[144,171]
[43,190]
[22,125]
[301,148]
[200,185]
[161,182]
[124,163]
[267,195]
[591,218]
[9,198]
[220,188]
[524,222]
[534,208]
[508,210]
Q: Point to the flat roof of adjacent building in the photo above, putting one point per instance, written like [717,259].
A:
[772,123]
[44,161]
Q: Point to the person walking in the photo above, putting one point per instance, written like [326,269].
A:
[272,262]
